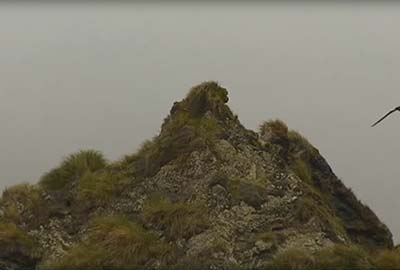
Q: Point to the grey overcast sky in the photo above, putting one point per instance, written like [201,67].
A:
[104,76]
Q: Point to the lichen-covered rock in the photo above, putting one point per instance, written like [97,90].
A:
[204,192]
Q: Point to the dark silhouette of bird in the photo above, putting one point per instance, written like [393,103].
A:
[389,113]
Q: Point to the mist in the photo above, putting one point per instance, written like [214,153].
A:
[103,76]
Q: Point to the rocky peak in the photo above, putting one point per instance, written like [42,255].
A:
[206,100]
[205,191]
[207,97]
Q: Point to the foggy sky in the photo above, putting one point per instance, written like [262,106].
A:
[103,76]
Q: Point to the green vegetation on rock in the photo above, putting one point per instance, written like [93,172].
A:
[204,192]
[342,257]
[275,129]
[72,168]
[115,241]
[98,188]
[178,219]
[23,199]
[387,259]
[292,259]
[252,194]
[302,169]
[16,244]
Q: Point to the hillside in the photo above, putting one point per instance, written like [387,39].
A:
[204,192]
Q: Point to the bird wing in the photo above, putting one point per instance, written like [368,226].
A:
[380,120]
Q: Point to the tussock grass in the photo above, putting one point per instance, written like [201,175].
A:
[22,199]
[206,97]
[293,259]
[292,144]
[98,188]
[252,194]
[269,237]
[80,255]
[89,160]
[177,219]
[303,170]
[15,241]
[116,241]
[300,145]
[73,167]
[182,136]
[126,241]
[308,208]
[342,257]
[387,259]
[275,128]
[275,132]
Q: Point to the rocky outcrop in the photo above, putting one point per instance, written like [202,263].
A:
[207,190]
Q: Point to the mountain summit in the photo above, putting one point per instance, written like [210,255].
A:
[204,192]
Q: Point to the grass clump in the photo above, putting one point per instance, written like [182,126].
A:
[299,145]
[208,96]
[126,241]
[116,241]
[303,170]
[387,259]
[252,194]
[342,257]
[292,259]
[22,200]
[274,129]
[308,208]
[16,244]
[180,137]
[79,255]
[73,167]
[164,149]
[301,154]
[178,220]
[275,132]
[270,237]
[98,188]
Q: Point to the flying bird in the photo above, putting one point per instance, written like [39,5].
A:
[389,113]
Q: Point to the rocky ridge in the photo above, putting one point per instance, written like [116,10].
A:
[204,192]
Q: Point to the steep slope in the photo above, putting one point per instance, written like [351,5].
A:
[206,191]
